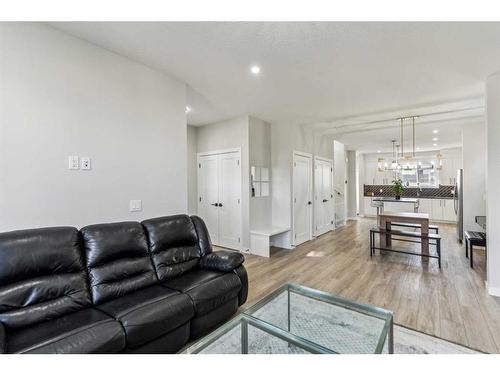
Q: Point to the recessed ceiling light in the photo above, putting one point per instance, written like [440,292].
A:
[434,144]
[379,151]
[255,69]
[418,148]
[435,131]
[188,109]
[435,139]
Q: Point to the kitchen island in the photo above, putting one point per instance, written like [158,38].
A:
[378,202]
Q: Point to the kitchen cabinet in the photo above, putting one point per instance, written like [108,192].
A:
[425,206]
[370,173]
[368,209]
[448,173]
[449,210]
[398,207]
[438,209]
[442,210]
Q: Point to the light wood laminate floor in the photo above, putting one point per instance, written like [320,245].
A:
[451,303]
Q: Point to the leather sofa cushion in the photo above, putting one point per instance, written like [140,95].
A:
[173,243]
[85,331]
[149,313]
[117,259]
[207,289]
[42,276]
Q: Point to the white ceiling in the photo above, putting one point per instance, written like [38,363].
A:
[311,71]
[326,75]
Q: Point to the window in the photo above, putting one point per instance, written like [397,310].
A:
[424,176]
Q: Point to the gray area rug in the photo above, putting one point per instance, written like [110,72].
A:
[336,328]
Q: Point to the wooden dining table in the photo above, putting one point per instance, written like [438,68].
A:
[386,218]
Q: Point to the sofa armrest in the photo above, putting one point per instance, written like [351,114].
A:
[2,339]
[224,261]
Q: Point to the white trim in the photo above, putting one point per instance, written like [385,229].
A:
[311,195]
[217,152]
[221,152]
[493,291]
[301,153]
[332,193]
[323,159]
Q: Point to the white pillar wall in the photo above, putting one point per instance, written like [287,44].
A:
[493,182]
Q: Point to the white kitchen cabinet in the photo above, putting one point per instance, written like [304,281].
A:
[436,209]
[449,210]
[448,173]
[398,207]
[371,173]
[425,206]
[442,210]
[369,210]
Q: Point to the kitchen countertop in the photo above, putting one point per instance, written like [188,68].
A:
[393,199]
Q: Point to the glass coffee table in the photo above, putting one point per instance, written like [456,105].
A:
[297,319]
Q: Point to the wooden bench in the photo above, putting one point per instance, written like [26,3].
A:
[407,237]
[415,226]
[262,239]
[473,239]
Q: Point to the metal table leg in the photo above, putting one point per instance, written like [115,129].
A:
[391,337]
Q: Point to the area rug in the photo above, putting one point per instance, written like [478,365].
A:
[331,326]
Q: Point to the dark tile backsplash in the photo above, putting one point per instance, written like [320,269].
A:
[443,191]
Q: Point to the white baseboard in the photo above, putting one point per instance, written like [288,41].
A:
[493,291]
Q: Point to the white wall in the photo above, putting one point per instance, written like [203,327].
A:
[360,181]
[352,207]
[339,178]
[62,96]
[225,135]
[474,165]
[287,137]
[493,182]
[192,170]
[260,156]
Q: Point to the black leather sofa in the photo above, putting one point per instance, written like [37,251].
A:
[147,287]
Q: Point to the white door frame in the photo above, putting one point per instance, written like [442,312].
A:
[219,152]
[315,201]
[311,192]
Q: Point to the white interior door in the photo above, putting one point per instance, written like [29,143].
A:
[208,191]
[323,196]
[219,202]
[302,198]
[230,201]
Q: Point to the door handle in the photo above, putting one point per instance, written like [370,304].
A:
[220,204]
[309,203]
[215,204]
[325,200]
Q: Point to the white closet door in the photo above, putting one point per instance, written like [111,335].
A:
[323,177]
[230,201]
[302,200]
[208,185]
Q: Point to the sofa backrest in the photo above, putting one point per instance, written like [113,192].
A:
[117,259]
[173,243]
[42,275]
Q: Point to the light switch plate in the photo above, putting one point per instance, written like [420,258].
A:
[85,163]
[135,205]
[73,162]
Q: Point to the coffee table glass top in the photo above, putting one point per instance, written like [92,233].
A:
[296,319]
